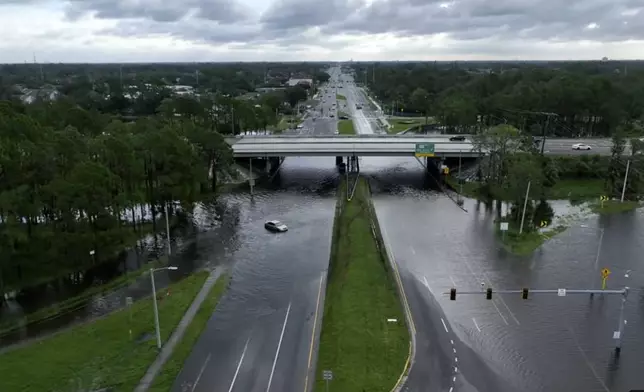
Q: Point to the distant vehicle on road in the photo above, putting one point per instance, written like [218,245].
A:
[331,115]
[581,146]
[358,107]
[457,139]
[343,117]
[275,226]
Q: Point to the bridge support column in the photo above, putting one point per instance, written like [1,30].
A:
[274,164]
[357,165]
[338,161]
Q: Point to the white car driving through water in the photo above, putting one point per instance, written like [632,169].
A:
[581,146]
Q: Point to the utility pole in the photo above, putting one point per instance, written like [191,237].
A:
[543,134]
[617,334]
[121,76]
[628,166]
[525,205]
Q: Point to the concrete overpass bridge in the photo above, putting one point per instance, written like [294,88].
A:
[271,150]
[437,146]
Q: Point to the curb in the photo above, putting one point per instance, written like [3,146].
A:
[179,331]
[409,363]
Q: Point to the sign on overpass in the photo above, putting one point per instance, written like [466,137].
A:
[425,149]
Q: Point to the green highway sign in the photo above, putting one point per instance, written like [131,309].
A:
[425,149]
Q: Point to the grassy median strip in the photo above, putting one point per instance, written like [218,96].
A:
[340,97]
[165,379]
[103,353]
[364,350]
[345,127]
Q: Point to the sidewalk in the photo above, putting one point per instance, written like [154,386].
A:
[177,334]
[381,116]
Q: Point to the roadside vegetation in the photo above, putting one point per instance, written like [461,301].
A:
[345,127]
[365,351]
[515,161]
[86,176]
[340,97]
[114,351]
[168,374]
[400,124]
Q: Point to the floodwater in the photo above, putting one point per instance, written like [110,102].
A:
[545,343]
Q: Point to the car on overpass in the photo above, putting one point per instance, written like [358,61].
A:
[581,146]
[458,138]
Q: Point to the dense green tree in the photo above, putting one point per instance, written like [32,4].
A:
[73,180]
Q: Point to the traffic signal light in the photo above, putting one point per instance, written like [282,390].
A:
[488,294]
[524,295]
[452,294]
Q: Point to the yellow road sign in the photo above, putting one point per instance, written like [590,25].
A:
[544,223]
[605,273]
[604,198]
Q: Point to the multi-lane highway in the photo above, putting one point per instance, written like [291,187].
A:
[263,335]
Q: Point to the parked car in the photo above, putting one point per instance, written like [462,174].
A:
[457,139]
[581,146]
[275,226]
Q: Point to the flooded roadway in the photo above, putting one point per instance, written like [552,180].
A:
[545,343]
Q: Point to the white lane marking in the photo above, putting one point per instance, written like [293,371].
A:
[241,359]
[454,350]
[427,284]
[444,326]
[451,389]
[488,282]
[500,314]
[279,345]
[453,282]
[451,341]
[476,324]
[455,369]
[583,353]
[456,359]
[203,367]
[453,379]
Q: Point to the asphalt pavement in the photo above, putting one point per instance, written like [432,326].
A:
[267,340]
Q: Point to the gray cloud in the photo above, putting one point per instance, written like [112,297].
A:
[285,21]
[163,11]
[475,19]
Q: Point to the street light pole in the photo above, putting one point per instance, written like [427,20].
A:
[157,327]
[597,254]
[167,228]
[525,205]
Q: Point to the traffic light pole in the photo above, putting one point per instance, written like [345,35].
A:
[617,335]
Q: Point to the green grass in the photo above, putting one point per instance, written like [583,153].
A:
[340,97]
[286,122]
[614,206]
[577,189]
[401,124]
[570,189]
[345,127]
[525,243]
[101,353]
[364,351]
[165,379]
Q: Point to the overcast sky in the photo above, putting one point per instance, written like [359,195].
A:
[291,30]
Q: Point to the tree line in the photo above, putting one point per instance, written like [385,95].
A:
[73,181]
[562,99]
[513,161]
